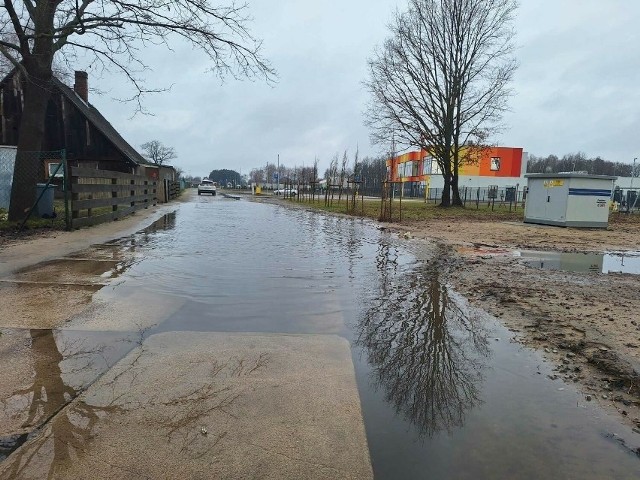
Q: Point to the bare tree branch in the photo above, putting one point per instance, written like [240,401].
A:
[157,152]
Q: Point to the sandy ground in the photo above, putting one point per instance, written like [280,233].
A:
[587,324]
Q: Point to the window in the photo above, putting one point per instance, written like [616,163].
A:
[414,169]
[434,167]
[495,164]
[426,165]
[401,169]
[51,167]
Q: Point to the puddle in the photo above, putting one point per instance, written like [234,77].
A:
[47,369]
[607,262]
[69,271]
[610,262]
[426,353]
[10,443]
[28,305]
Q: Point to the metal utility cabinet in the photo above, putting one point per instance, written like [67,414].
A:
[568,199]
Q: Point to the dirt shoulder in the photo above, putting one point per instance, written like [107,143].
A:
[587,324]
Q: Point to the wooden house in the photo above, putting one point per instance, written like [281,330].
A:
[76,126]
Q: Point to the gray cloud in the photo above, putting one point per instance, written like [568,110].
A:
[576,88]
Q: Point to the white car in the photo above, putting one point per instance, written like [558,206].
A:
[287,192]
[207,186]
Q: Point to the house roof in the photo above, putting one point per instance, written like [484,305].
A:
[102,124]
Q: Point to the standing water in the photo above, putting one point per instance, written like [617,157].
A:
[445,392]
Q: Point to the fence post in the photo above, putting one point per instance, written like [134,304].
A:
[401,194]
[66,183]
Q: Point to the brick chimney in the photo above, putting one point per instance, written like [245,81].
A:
[81,87]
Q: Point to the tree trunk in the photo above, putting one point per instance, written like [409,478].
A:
[456,201]
[36,73]
[446,191]
[28,168]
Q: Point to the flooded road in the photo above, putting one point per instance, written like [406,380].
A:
[445,392]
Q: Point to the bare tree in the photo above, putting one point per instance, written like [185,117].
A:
[440,82]
[113,34]
[256,175]
[157,152]
[343,174]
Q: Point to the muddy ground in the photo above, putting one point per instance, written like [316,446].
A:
[587,324]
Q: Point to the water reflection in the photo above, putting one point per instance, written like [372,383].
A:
[48,392]
[611,262]
[63,364]
[62,441]
[426,352]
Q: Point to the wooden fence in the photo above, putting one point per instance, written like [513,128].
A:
[99,196]
[174,189]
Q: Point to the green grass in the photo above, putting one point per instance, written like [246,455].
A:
[35,223]
[418,210]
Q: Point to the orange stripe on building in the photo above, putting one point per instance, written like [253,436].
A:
[490,162]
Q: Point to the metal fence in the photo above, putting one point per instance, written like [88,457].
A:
[626,199]
[32,184]
[7,161]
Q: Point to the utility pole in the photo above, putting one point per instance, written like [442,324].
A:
[278,172]
[633,174]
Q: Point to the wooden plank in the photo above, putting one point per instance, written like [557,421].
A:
[107,217]
[93,220]
[122,184]
[106,202]
[91,173]
[94,173]
[95,188]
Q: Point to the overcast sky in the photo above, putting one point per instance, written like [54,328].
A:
[576,88]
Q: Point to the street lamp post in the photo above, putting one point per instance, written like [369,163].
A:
[633,174]
[278,173]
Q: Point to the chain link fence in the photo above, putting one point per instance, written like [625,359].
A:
[32,188]
[7,162]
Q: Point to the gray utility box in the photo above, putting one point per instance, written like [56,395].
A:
[568,199]
[45,193]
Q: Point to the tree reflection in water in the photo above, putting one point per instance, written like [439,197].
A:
[47,396]
[426,352]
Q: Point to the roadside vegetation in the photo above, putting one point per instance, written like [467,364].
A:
[8,228]
[410,210]
[416,210]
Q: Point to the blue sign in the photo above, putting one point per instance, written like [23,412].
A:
[275,177]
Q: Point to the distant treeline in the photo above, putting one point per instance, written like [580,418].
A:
[225,176]
[578,162]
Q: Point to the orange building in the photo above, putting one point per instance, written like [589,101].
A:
[419,166]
